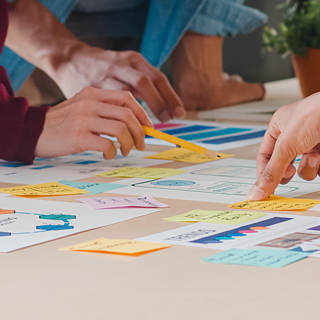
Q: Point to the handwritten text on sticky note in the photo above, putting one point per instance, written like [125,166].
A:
[259,258]
[276,203]
[121,202]
[53,188]
[143,173]
[185,155]
[117,246]
[92,187]
[219,217]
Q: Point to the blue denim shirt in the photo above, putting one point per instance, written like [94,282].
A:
[167,21]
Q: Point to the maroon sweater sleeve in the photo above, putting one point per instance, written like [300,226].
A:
[20,125]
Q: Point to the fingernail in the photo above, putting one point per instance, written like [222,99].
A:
[288,175]
[179,112]
[313,162]
[150,121]
[256,193]
[110,153]
[164,116]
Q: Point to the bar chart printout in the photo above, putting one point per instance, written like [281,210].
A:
[214,136]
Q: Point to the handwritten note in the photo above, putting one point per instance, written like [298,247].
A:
[185,155]
[121,202]
[218,217]
[143,173]
[117,246]
[259,258]
[276,203]
[53,188]
[92,187]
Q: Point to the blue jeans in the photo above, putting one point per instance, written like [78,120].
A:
[166,22]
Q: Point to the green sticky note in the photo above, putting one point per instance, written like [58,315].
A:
[217,217]
[92,187]
[258,258]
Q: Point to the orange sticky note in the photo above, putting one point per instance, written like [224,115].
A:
[117,246]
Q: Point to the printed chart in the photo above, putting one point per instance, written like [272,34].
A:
[26,222]
[273,231]
[211,136]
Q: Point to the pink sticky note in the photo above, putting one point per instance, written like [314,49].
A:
[121,202]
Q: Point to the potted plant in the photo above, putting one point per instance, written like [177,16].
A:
[299,35]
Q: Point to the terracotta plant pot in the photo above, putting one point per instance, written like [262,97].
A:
[307,69]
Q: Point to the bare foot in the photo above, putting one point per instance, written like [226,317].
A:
[198,77]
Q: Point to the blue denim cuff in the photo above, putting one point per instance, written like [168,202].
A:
[227,17]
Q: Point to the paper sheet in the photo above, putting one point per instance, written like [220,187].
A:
[257,258]
[220,217]
[92,187]
[225,181]
[255,234]
[185,155]
[145,201]
[276,203]
[117,246]
[38,221]
[211,135]
[53,188]
[144,173]
[72,167]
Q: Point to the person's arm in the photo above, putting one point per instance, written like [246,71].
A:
[20,125]
[293,130]
[38,36]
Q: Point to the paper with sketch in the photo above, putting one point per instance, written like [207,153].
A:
[276,203]
[92,187]
[38,221]
[225,181]
[185,155]
[121,202]
[53,188]
[72,167]
[117,246]
[253,234]
[257,258]
[220,217]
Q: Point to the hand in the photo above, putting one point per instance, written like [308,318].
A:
[76,124]
[294,129]
[128,70]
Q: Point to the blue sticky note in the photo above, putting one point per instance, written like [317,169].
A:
[92,187]
[259,258]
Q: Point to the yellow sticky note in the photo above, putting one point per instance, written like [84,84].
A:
[143,173]
[53,188]
[185,155]
[276,203]
[218,217]
[117,246]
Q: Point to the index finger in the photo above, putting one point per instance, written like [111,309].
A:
[173,103]
[118,98]
[273,171]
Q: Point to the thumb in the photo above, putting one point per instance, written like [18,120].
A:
[272,174]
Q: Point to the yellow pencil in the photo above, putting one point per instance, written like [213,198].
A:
[179,142]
